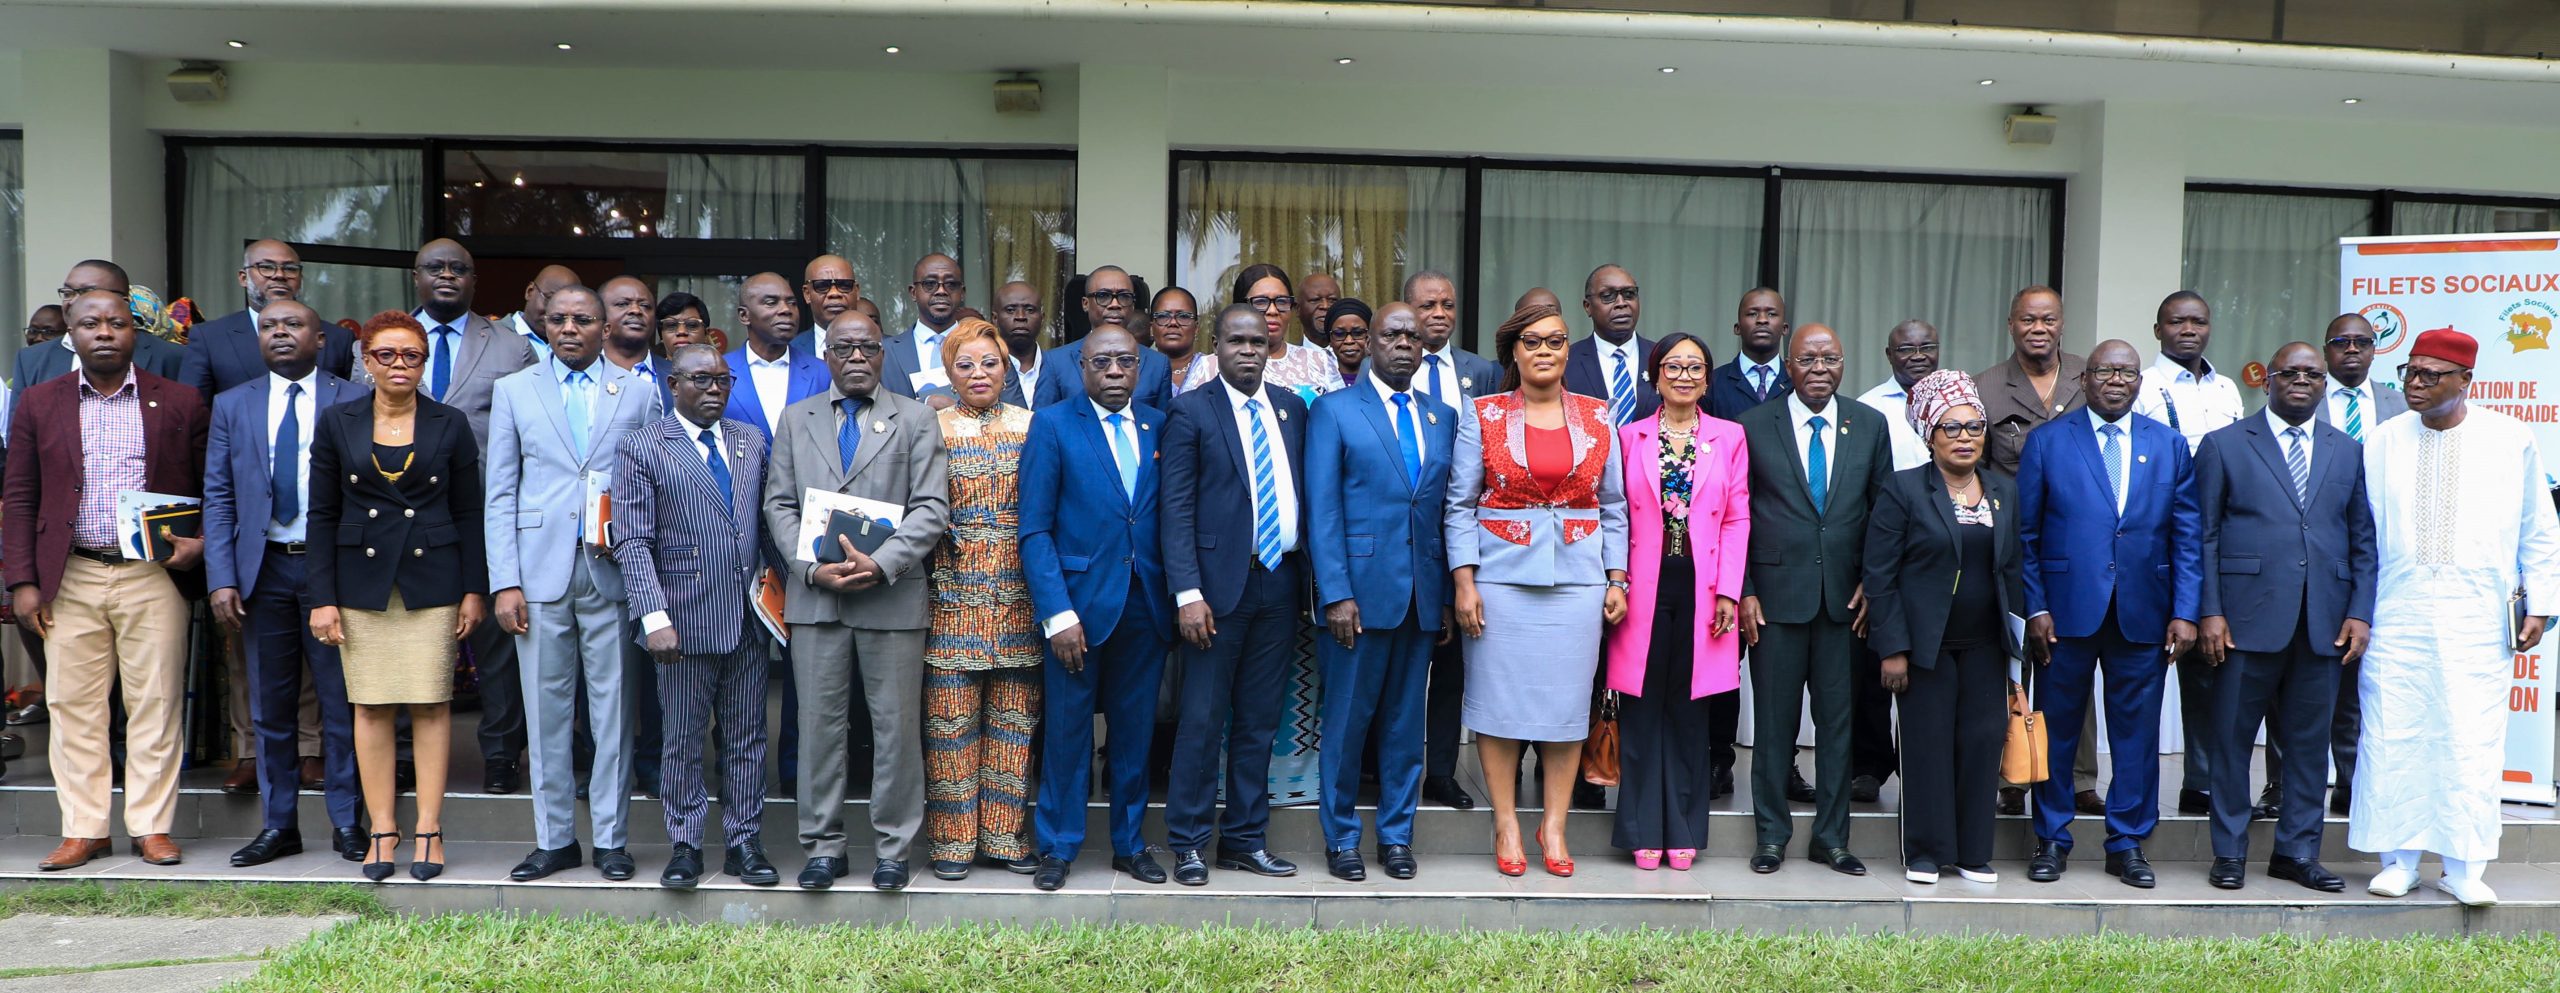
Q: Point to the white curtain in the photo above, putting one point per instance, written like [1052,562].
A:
[1863,256]
[734,196]
[356,197]
[1692,244]
[1003,219]
[13,246]
[2470,218]
[2268,263]
[1368,225]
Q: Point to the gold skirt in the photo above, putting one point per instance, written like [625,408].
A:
[399,655]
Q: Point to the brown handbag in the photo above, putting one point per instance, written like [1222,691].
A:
[2022,756]
[1600,751]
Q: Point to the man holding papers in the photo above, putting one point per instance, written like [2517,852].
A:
[555,429]
[864,613]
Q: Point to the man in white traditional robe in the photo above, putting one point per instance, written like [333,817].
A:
[2462,512]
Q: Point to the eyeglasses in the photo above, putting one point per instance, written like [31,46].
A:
[1175,317]
[444,268]
[1272,303]
[1899,351]
[967,367]
[1683,370]
[827,286]
[2352,342]
[1350,334]
[33,333]
[571,320]
[2422,378]
[938,285]
[707,381]
[2114,374]
[2297,376]
[274,270]
[845,350]
[70,293]
[1112,296]
[1393,334]
[1106,363]
[1549,343]
[1962,429]
[397,358]
[694,324]
[1819,361]
[1614,294]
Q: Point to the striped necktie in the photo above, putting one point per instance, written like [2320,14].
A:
[1125,452]
[2355,415]
[1622,393]
[2300,463]
[1266,491]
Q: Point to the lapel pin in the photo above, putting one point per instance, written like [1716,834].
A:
[1466,383]
[1431,416]
[1284,415]
[613,389]
[1143,426]
[879,427]
[2141,458]
[155,403]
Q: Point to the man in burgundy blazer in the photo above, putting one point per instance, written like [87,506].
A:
[75,442]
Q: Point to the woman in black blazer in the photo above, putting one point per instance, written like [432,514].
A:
[1943,575]
[399,573]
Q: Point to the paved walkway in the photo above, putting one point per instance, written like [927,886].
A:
[145,954]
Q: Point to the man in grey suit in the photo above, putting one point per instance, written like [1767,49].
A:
[555,431]
[151,353]
[466,355]
[689,539]
[866,614]
[1452,376]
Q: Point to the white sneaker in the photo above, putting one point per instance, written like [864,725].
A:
[2392,881]
[1922,872]
[1984,874]
[2471,892]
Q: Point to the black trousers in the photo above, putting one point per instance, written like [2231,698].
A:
[493,654]
[1791,661]
[1445,694]
[1871,751]
[2344,727]
[2294,693]
[1664,781]
[1955,716]
[1232,694]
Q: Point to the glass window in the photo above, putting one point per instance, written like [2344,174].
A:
[2268,263]
[1862,256]
[352,197]
[1368,225]
[1003,219]
[1692,244]
[2472,218]
[634,194]
[13,248]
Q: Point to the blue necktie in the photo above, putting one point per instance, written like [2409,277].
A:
[440,365]
[1409,441]
[2355,416]
[1266,492]
[1125,450]
[1817,465]
[1431,376]
[933,351]
[287,476]
[1622,390]
[849,434]
[577,412]
[719,471]
[2299,462]
[2115,463]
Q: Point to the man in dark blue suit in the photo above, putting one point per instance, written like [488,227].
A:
[768,373]
[1110,298]
[2108,520]
[228,350]
[1092,559]
[1377,478]
[630,327]
[1755,376]
[1612,363]
[2287,597]
[257,488]
[1234,532]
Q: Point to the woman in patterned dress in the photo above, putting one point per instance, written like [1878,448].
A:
[982,657]
[1174,319]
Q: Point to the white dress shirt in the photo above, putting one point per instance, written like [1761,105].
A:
[1452,390]
[2097,430]
[306,415]
[2276,424]
[2337,401]
[1801,417]
[657,620]
[1065,619]
[2193,405]
[773,385]
[1028,376]
[1284,484]
[1387,397]
[1609,355]
[1894,402]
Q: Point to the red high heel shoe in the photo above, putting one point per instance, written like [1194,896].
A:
[1555,866]
[1508,867]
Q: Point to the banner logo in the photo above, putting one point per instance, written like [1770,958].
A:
[2390,326]
[2528,325]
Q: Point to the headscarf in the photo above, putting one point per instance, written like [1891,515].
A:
[1937,393]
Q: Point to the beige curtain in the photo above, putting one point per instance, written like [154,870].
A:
[1031,225]
[1367,224]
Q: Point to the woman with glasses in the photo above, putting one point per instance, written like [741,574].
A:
[1537,543]
[683,320]
[1305,368]
[399,574]
[1688,528]
[1174,318]
[1346,335]
[1942,577]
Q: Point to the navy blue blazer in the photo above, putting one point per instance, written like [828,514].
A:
[239,478]
[809,377]
[682,550]
[1583,374]
[1085,543]
[224,352]
[151,353]
[1729,391]
[2081,556]
[1375,537]
[1207,509]
[1062,377]
[2271,560]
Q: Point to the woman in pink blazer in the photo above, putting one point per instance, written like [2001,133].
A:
[1689,530]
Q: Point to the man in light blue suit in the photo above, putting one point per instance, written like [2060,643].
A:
[2109,521]
[770,372]
[1377,476]
[257,488]
[1091,558]
[555,429]
[1110,298]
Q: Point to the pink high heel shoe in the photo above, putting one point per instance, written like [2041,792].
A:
[1681,858]
[1648,859]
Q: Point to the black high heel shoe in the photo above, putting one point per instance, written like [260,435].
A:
[379,871]
[420,868]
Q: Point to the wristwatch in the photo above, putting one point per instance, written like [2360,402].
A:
[1619,585]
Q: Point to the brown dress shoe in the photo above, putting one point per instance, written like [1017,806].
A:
[2089,802]
[156,849]
[243,780]
[76,852]
[312,772]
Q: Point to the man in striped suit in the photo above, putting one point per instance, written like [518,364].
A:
[685,513]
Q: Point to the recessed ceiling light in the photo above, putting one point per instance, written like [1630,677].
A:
[563,46]
[644,229]
[235,43]
[1986,82]
[519,179]
[1669,69]
[893,49]
[574,229]
[476,184]
[2352,101]
[1343,61]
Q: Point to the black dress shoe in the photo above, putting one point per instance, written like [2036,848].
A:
[1798,791]
[746,860]
[268,846]
[2309,872]
[1259,861]
[1446,792]
[348,842]
[2130,866]
[1023,866]
[2090,802]
[404,776]
[545,861]
[684,868]
[889,875]
[2270,804]
[2195,802]
[1397,860]
[1723,783]
[2341,800]
[823,871]
[2048,864]
[2227,874]
[1051,875]
[616,864]
[1841,861]
[1765,859]
[500,776]
[785,788]
[1587,796]
[1189,869]
[2013,801]
[1344,864]
[1141,867]
[1865,789]
[949,871]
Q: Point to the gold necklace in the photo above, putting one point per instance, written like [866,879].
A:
[390,476]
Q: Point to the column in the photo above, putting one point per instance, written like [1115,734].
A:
[1124,171]
[2124,224]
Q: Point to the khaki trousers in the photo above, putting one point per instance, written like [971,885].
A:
[244,732]
[123,622]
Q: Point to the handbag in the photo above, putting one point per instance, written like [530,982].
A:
[1600,752]
[2023,758]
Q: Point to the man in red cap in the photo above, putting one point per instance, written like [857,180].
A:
[2461,510]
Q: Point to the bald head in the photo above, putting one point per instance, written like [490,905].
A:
[2348,349]
[1815,362]
[270,270]
[289,338]
[768,314]
[937,291]
[2113,377]
[630,320]
[828,288]
[445,279]
[537,294]
[1537,295]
